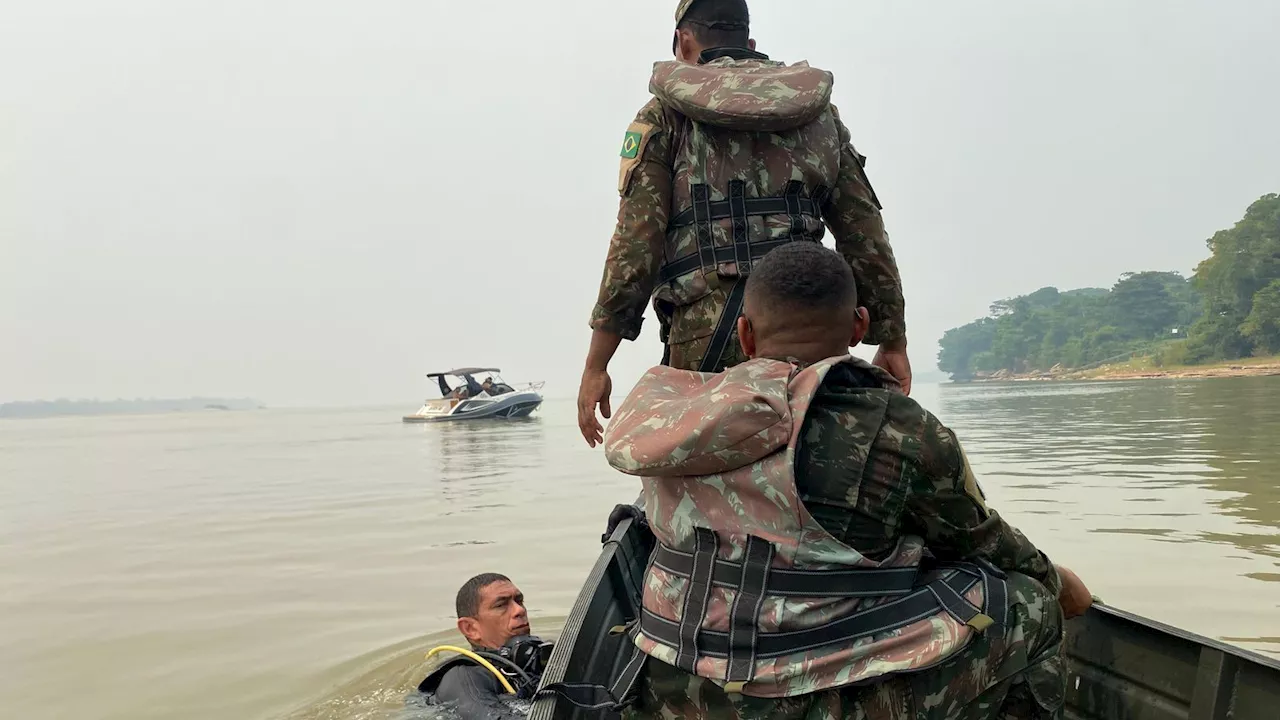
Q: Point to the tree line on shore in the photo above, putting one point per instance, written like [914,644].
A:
[1227,310]
[62,406]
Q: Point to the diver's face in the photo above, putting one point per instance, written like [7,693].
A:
[500,617]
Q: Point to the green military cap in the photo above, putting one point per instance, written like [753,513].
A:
[683,9]
[685,5]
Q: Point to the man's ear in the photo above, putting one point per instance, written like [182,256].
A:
[861,324]
[686,50]
[746,337]
[752,44]
[470,629]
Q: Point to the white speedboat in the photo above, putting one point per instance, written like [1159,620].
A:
[471,399]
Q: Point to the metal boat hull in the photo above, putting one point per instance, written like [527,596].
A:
[1122,667]
[508,406]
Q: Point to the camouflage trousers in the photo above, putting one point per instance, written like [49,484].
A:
[1017,673]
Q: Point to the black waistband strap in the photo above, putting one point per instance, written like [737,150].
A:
[737,209]
[697,594]
[725,254]
[752,207]
[744,616]
[891,615]
[853,582]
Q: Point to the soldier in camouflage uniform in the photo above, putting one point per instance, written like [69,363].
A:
[881,484]
[735,155]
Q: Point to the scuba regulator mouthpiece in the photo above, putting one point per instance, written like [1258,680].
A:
[527,652]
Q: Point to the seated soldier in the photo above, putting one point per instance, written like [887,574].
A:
[824,548]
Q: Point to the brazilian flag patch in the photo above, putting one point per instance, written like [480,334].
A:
[631,145]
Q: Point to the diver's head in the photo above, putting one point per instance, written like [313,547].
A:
[491,611]
[801,302]
[705,24]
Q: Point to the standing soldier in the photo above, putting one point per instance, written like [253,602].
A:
[734,156]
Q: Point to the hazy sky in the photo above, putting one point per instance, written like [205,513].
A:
[314,203]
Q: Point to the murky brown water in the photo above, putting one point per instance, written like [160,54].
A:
[298,564]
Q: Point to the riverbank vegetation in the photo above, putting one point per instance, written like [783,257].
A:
[1228,310]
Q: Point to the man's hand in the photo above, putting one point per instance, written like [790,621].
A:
[1075,598]
[892,357]
[595,389]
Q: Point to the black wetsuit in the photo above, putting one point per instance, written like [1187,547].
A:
[474,691]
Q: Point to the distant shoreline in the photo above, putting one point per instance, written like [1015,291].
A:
[1144,369]
[30,410]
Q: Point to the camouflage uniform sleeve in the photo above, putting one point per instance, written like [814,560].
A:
[635,252]
[854,218]
[946,505]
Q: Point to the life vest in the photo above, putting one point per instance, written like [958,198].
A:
[744,587]
[755,151]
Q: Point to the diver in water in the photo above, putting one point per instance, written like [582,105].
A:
[505,662]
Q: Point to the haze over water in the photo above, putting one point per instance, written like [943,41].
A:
[297,564]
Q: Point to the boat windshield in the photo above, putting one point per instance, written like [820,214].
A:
[471,383]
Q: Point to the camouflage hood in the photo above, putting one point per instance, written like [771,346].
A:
[702,424]
[750,95]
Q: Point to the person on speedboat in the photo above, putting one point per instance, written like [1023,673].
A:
[504,662]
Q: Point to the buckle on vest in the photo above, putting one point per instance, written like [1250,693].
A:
[980,622]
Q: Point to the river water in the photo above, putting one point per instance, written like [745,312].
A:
[297,564]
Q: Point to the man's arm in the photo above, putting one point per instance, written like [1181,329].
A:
[634,258]
[635,251]
[946,506]
[856,223]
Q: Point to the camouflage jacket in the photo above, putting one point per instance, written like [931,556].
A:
[873,466]
[747,588]
[764,124]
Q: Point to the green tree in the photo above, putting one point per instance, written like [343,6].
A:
[1245,259]
[1262,327]
[1141,306]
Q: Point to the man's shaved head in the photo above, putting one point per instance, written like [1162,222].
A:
[802,301]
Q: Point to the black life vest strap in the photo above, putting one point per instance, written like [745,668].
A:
[849,583]
[742,251]
[697,595]
[738,226]
[720,255]
[726,329]
[944,593]
[744,616]
[752,207]
[738,208]
[702,224]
